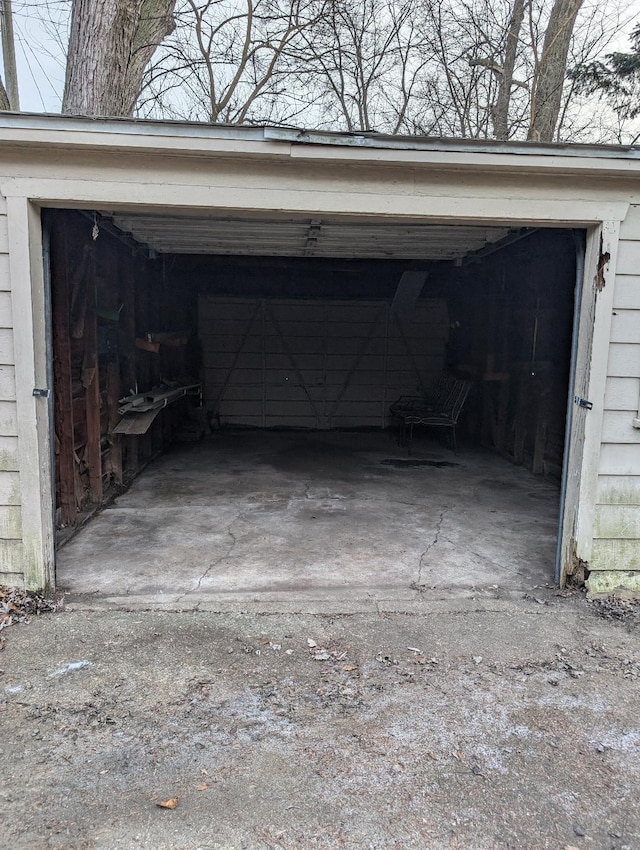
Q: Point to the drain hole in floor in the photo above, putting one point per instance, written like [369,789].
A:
[402,462]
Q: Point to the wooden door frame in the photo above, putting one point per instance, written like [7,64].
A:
[576,532]
[31,332]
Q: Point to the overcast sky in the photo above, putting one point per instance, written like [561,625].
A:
[39,27]
[40,31]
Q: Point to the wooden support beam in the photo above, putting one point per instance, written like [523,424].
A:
[113,394]
[65,463]
[91,381]
[128,352]
[540,443]
[520,426]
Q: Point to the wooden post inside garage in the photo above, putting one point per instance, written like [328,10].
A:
[91,382]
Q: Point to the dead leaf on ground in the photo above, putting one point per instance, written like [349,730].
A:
[349,667]
[168,804]
[16,605]
[202,787]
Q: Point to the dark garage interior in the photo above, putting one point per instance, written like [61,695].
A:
[223,395]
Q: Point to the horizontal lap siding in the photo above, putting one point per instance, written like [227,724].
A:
[316,363]
[11,556]
[617,522]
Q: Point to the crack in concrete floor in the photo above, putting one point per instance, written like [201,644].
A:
[418,585]
[215,563]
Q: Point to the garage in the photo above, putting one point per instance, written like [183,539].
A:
[228,357]
[227,420]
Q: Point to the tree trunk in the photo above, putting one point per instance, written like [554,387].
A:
[5,106]
[9,55]
[546,95]
[501,108]
[110,44]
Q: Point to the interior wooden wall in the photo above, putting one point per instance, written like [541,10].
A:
[105,295]
[511,317]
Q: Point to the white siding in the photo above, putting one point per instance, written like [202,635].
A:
[617,526]
[11,556]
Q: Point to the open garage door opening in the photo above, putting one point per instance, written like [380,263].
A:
[260,407]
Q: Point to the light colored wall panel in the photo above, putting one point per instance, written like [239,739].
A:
[6,313]
[615,555]
[8,419]
[622,394]
[12,579]
[11,554]
[7,383]
[5,278]
[617,522]
[9,454]
[629,257]
[624,360]
[10,522]
[9,488]
[7,356]
[630,227]
[627,292]
[618,490]
[617,427]
[617,459]
[625,326]
[4,235]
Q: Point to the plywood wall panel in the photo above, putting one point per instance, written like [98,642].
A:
[345,362]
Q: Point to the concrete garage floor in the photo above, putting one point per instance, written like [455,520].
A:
[323,520]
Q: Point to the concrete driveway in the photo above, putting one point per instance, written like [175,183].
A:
[491,725]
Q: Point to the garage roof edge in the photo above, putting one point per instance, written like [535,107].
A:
[197,138]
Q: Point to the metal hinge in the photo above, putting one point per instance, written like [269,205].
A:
[582,402]
[41,393]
